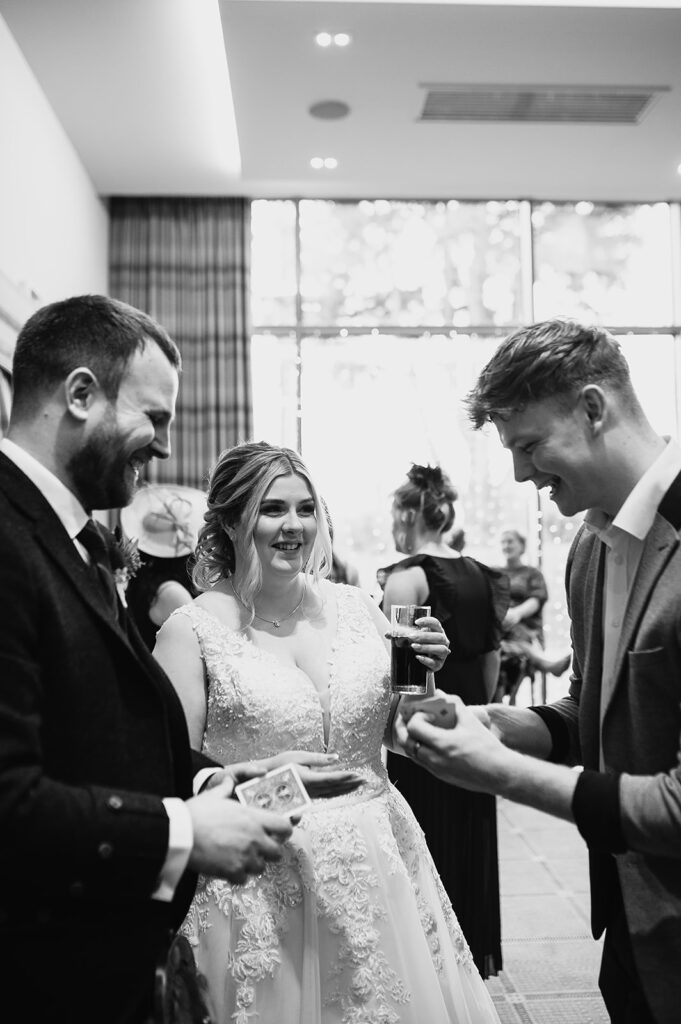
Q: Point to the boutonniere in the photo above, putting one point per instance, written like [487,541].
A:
[125,558]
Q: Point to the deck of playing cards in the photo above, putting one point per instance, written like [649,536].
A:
[281,790]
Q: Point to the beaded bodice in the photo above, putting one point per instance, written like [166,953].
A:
[259,706]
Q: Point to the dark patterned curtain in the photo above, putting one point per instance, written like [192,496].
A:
[186,263]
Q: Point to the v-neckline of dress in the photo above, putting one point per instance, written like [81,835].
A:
[263,652]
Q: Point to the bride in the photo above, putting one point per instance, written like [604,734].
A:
[352,925]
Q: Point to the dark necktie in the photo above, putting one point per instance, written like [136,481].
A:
[100,564]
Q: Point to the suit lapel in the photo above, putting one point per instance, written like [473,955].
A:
[49,535]
[592,629]
[670,506]
[659,546]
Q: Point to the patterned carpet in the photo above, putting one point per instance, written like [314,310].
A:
[551,961]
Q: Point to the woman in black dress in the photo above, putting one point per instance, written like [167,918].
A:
[470,600]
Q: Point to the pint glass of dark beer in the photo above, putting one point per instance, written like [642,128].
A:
[407,673]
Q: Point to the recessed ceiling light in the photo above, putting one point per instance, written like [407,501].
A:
[326,39]
[328,163]
[679,169]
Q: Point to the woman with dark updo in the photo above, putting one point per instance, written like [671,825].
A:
[470,600]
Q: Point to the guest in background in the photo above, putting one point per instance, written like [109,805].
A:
[523,637]
[164,520]
[469,599]
[341,570]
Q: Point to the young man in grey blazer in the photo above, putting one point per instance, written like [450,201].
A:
[560,396]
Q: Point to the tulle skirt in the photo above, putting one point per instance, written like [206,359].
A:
[352,926]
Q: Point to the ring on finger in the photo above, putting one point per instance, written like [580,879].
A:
[415,753]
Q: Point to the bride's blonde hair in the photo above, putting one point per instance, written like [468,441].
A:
[239,481]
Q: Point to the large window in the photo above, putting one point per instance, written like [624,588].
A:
[373,318]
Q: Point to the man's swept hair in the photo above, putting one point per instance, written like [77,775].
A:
[551,359]
[95,331]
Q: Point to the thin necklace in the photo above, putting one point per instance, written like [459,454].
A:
[273,622]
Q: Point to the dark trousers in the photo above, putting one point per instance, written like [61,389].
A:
[618,979]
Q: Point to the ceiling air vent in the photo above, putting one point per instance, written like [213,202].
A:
[562,103]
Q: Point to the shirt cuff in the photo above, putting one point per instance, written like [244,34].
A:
[180,842]
[596,810]
[202,777]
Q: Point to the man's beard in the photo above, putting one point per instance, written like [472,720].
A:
[100,471]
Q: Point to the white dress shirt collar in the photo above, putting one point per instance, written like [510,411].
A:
[64,502]
[638,512]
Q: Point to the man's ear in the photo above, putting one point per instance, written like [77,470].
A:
[80,390]
[594,403]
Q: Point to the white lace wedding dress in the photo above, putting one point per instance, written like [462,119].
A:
[352,926]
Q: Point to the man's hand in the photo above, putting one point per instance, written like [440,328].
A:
[472,756]
[232,841]
[469,755]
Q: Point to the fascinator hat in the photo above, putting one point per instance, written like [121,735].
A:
[165,519]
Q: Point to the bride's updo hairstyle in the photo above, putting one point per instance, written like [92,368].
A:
[427,493]
[238,483]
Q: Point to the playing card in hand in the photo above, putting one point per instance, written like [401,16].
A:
[281,790]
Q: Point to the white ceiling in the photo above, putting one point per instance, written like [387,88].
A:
[142,88]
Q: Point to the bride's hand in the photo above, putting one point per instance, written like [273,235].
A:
[432,646]
[317,771]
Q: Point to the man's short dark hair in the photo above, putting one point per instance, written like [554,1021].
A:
[86,330]
[551,359]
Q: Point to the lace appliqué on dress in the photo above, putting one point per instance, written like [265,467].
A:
[349,897]
[414,858]
[260,907]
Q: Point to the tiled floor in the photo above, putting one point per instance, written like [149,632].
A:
[550,959]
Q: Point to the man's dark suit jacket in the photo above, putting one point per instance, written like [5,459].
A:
[92,736]
[630,814]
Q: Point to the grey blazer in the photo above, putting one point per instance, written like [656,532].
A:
[631,814]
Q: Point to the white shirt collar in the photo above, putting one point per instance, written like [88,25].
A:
[638,512]
[64,502]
